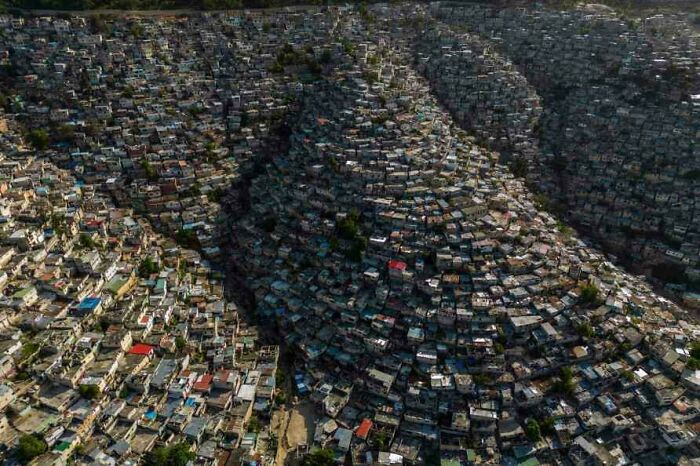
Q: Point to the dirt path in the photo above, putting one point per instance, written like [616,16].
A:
[300,430]
[278,425]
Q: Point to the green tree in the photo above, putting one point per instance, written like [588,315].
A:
[30,446]
[585,330]
[589,294]
[280,398]
[38,138]
[566,383]
[547,425]
[532,430]
[379,439]
[86,241]
[187,238]
[28,349]
[178,454]
[148,267]
[695,350]
[215,195]
[89,391]
[347,227]
[324,457]
[151,173]
[180,343]
[254,424]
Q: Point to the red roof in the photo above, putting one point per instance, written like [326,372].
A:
[397,265]
[364,428]
[203,382]
[141,348]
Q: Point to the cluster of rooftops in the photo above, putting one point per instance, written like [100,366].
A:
[425,306]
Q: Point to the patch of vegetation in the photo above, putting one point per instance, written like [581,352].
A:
[86,241]
[28,349]
[565,230]
[585,330]
[254,425]
[566,384]
[38,138]
[280,398]
[103,325]
[89,392]
[324,457]
[215,195]
[174,455]
[180,343]
[694,360]
[348,46]
[481,379]
[30,446]
[547,425]
[148,267]
[187,238]
[532,430]
[589,295]
[289,56]
[348,226]
[359,245]
[151,173]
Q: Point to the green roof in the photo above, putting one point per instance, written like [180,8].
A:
[23,292]
[115,284]
[532,461]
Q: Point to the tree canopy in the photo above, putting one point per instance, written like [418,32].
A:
[532,430]
[173,455]
[29,447]
[148,267]
[89,391]
[324,457]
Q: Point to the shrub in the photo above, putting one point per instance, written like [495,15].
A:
[589,294]
[585,330]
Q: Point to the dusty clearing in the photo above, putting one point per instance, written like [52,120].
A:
[300,429]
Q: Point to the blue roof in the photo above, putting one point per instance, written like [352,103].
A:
[89,303]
